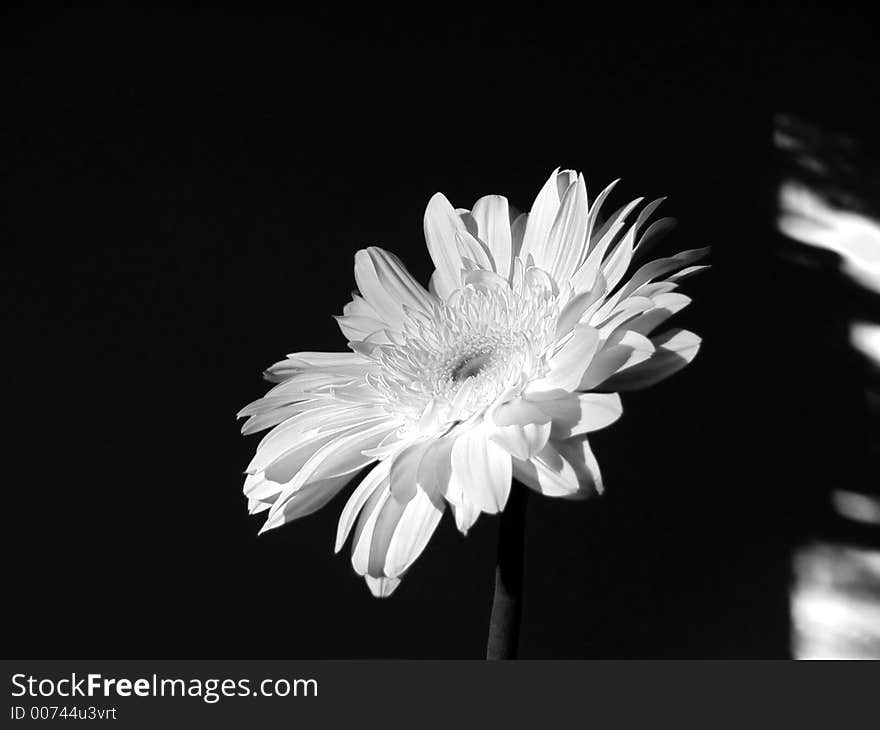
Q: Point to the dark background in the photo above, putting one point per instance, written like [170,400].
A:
[185,194]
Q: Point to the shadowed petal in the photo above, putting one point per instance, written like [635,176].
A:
[523,441]
[414,530]
[562,469]
[368,486]
[674,350]
[582,413]
[308,499]
[569,363]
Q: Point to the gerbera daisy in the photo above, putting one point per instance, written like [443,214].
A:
[500,369]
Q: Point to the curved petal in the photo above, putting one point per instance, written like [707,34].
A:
[517,233]
[565,242]
[382,587]
[608,234]
[390,535]
[523,441]
[582,413]
[481,469]
[398,282]
[674,350]
[518,412]
[308,499]
[654,269]
[346,363]
[442,224]
[370,287]
[619,259]
[569,363]
[665,305]
[471,249]
[308,426]
[357,328]
[623,352]
[362,543]
[562,469]
[343,455]
[547,473]
[593,217]
[492,215]
[368,486]
[414,530]
[540,221]
[435,468]
[463,509]
[404,472]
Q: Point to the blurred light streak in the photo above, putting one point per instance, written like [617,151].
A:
[806,217]
[835,598]
[856,507]
[836,603]
[865,338]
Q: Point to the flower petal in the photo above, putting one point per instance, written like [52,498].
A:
[570,361]
[654,269]
[578,309]
[582,413]
[562,469]
[674,349]
[629,349]
[382,587]
[387,307]
[481,469]
[368,486]
[471,249]
[593,218]
[517,233]
[343,455]
[361,545]
[665,305]
[310,498]
[435,468]
[391,535]
[388,513]
[398,282]
[442,224]
[518,412]
[619,259]
[540,221]
[608,234]
[414,530]
[492,215]
[463,509]
[565,242]
[404,472]
[310,427]
[523,441]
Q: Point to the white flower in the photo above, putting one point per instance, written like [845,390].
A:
[499,370]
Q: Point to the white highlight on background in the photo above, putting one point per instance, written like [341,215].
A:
[835,598]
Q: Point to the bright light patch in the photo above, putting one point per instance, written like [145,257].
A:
[836,603]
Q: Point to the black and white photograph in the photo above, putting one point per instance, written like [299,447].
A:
[352,334]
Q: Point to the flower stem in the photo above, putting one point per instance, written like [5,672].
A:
[507,601]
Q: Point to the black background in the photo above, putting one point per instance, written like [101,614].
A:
[185,194]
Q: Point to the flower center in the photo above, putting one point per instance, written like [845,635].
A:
[470,366]
[458,358]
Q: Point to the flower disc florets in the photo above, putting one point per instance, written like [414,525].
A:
[464,354]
